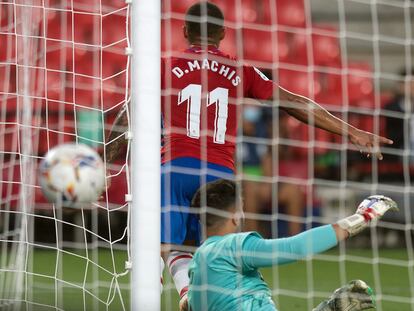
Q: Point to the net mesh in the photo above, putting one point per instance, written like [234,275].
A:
[347,56]
[64,77]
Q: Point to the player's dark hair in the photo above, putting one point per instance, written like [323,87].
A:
[218,196]
[204,16]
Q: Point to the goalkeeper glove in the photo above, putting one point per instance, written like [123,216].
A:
[369,211]
[354,296]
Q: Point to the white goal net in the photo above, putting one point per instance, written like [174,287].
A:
[355,58]
[64,76]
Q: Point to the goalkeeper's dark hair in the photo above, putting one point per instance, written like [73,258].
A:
[204,17]
[220,199]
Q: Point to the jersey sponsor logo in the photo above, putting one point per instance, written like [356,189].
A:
[205,64]
[261,74]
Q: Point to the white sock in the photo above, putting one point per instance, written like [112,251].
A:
[162,265]
[178,265]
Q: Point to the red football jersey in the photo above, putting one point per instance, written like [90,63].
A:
[200,93]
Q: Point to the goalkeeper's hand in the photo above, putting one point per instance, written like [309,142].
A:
[354,296]
[368,211]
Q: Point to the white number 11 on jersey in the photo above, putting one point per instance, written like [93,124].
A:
[219,96]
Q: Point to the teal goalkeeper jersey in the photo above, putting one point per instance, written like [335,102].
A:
[224,270]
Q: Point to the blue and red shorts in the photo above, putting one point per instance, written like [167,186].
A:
[180,179]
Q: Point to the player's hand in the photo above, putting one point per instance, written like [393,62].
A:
[375,206]
[368,143]
[354,296]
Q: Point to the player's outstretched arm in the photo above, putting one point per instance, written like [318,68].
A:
[118,128]
[354,296]
[310,112]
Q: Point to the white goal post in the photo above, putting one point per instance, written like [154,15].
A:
[146,156]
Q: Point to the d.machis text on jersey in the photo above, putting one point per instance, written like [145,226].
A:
[206,64]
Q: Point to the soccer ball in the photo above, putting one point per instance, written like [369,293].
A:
[72,175]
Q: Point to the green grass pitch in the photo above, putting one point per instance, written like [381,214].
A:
[321,275]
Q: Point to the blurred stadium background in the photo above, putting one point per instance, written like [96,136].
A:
[355,57]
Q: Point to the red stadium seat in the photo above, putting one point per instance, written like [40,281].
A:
[326,49]
[89,6]
[115,60]
[331,89]
[324,46]
[87,91]
[96,6]
[291,13]
[87,98]
[8,78]
[7,17]
[58,86]
[366,123]
[60,129]
[176,6]
[114,28]
[59,25]
[59,55]
[8,49]
[246,13]
[8,104]
[299,82]
[273,46]
[40,198]
[47,128]
[114,91]
[86,28]
[360,85]
[293,49]
[328,99]
[252,39]
[87,61]
[59,106]
[288,12]
[116,193]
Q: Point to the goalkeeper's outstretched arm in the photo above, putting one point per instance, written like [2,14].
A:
[306,110]
[258,252]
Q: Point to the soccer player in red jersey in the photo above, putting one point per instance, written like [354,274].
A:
[201,92]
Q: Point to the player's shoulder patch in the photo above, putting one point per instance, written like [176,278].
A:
[261,74]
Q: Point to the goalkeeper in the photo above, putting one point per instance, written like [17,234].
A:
[224,270]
